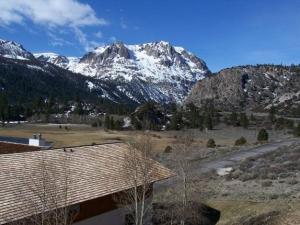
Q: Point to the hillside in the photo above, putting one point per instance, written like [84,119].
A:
[252,88]
[25,81]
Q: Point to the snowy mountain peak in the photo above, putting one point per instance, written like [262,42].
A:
[14,50]
[56,59]
[46,54]
[151,71]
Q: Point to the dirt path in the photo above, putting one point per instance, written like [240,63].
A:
[235,157]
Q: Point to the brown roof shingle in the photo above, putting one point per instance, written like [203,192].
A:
[7,148]
[90,172]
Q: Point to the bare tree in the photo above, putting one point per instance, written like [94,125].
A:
[182,148]
[182,200]
[138,171]
[47,182]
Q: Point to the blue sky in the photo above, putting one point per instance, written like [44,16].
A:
[223,33]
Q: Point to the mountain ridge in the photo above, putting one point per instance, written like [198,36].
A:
[251,88]
[157,70]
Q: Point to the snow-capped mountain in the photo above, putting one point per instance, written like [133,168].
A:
[11,49]
[59,60]
[152,71]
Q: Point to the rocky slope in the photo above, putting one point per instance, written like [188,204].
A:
[25,81]
[154,71]
[254,88]
[11,49]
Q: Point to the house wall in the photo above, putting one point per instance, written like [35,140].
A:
[113,217]
[96,207]
[103,211]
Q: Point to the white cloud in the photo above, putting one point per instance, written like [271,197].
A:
[57,41]
[88,45]
[52,14]
[49,12]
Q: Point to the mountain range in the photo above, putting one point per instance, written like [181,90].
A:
[157,71]
[153,71]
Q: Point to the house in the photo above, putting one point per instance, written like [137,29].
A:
[24,144]
[83,179]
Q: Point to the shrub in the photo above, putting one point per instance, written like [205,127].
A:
[263,135]
[211,143]
[297,130]
[263,173]
[267,183]
[280,124]
[235,174]
[290,124]
[240,141]
[252,117]
[272,176]
[293,182]
[234,119]
[168,149]
[248,176]
[274,196]
[94,124]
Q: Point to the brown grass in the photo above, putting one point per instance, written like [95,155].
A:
[233,211]
[86,135]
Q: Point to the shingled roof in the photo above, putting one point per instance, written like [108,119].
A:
[7,148]
[90,172]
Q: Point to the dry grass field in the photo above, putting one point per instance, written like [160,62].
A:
[275,212]
[78,134]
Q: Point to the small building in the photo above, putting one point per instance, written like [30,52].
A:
[85,179]
[36,142]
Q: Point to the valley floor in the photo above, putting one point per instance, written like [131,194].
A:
[262,188]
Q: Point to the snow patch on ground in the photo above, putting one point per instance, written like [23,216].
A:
[224,171]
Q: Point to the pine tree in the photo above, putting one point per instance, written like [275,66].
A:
[111,123]
[297,130]
[262,135]
[119,124]
[135,123]
[234,119]
[176,121]
[106,121]
[79,107]
[272,113]
[38,105]
[193,115]
[48,108]
[244,121]
[208,122]
[3,108]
